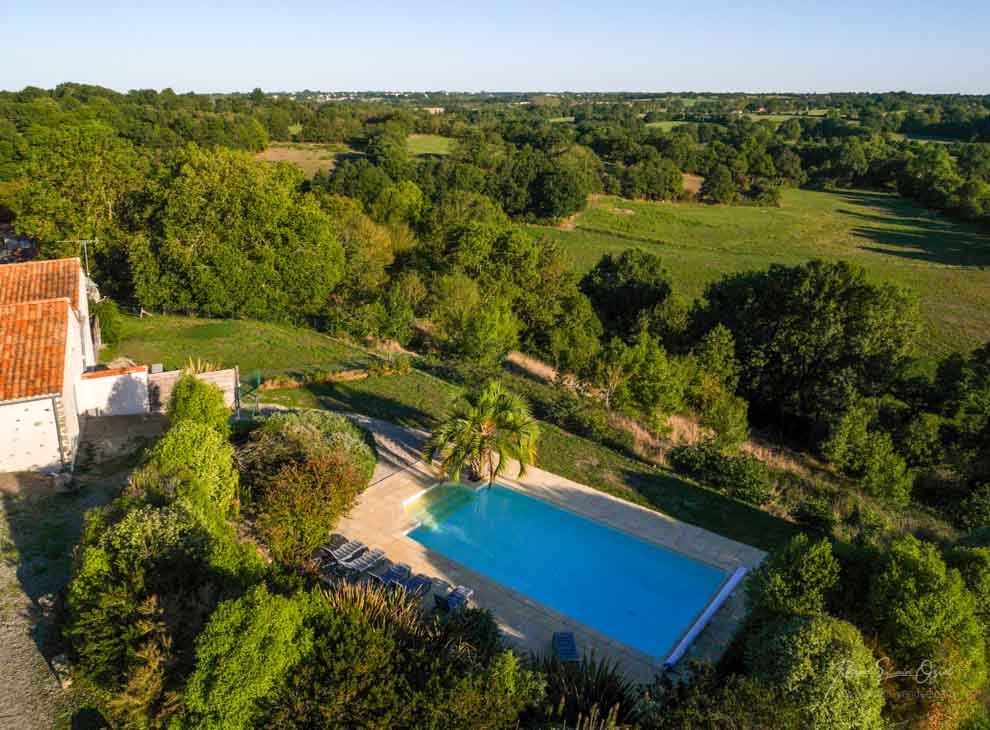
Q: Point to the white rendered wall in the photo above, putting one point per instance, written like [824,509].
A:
[85,333]
[28,437]
[113,395]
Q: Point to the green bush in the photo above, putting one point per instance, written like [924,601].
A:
[743,477]
[578,690]
[111,321]
[195,400]
[821,664]
[816,512]
[202,463]
[242,655]
[795,580]
[300,504]
[974,512]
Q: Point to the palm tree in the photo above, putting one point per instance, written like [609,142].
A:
[494,427]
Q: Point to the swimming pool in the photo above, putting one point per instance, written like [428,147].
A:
[633,591]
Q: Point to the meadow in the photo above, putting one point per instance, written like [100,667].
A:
[311,157]
[946,263]
[429,144]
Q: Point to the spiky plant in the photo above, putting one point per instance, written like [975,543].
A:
[494,427]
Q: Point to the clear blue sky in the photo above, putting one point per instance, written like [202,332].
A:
[713,45]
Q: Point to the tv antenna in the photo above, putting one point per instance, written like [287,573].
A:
[85,245]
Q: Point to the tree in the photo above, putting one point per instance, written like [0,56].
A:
[494,427]
[822,665]
[111,322]
[868,454]
[654,178]
[623,288]
[719,186]
[196,400]
[558,192]
[812,338]
[795,580]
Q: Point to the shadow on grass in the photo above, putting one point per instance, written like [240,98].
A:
[343,397]
[919,235]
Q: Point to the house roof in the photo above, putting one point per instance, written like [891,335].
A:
[32,347]
[38,280]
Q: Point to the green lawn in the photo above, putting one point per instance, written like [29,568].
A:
[419,400]
[666,126]
[946,263]
[429,144]
[272,348]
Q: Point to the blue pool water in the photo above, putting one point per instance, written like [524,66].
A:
[633,591]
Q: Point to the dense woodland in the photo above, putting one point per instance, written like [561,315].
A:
[433,252]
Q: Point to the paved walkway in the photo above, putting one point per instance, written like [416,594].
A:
[380,520]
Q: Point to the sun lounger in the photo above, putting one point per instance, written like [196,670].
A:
[363,562]
[455,600]
[418,586]
[565,647]
[347,551]
[397,574]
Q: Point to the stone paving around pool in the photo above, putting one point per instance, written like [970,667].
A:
[380,520]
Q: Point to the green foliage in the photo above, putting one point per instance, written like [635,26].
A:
[924,611]
[198,401]
[869,456]
[727,418]
[654,179]
[719,187]
[496,426]
[810,338]
[301,503]
[795,580]
[716,355]
[262,248]
[625,288]
[111,322]
[243,653]
[973,563]
[579,689]
[201,461]
[743,477]
[822,665]
[974,512]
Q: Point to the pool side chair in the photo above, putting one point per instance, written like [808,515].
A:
[418,586]
[396,575]
[565,647]
[459,598]
[363,562]
[347,551]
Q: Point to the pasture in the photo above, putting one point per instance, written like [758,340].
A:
[947,264]
[429,144]
[311,157]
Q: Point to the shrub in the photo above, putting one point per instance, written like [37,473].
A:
[242,655]
[111,322]
[795,580]
[743,477]
[300,504]
[816,512]
[592,685]
[924,612]
[973,564]
[868,455]
[974,512]
[821,664]
[195,400]
[201,462]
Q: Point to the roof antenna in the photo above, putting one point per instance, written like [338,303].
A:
[85,244]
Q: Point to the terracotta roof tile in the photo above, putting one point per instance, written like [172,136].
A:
[35,280]
[32,347]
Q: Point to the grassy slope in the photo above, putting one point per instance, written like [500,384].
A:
[946,263]
[418,400]
[429,144]
[311,157]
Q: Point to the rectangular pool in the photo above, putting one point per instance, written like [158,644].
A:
[633,591]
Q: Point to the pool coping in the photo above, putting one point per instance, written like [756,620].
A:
[380,520]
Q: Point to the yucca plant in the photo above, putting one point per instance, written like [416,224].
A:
[592,693]
[199,365]
[494,427]
[383,607]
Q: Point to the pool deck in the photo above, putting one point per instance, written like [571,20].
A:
[380,520]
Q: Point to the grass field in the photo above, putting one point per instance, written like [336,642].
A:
[310,157]
[947,264]
[429,144]
[666,126]
[419,399]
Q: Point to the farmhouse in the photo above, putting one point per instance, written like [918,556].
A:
[46,344]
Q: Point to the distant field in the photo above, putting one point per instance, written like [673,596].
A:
[310,157]
[429,144]
[666,126]
[947,264]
